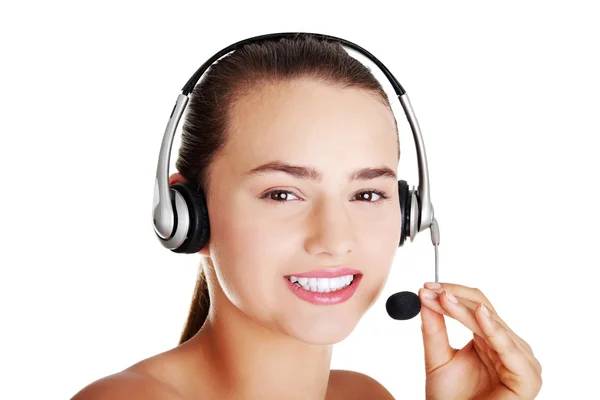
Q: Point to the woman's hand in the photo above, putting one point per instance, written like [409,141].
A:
[496,364]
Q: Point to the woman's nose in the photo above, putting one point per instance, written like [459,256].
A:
[330,230]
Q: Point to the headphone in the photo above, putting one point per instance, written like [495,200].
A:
[179,211]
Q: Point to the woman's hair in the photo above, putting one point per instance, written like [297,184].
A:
[205,129]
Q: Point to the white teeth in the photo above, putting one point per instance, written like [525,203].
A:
[303,281]
[322,285]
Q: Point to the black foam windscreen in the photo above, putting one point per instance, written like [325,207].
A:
[403,305]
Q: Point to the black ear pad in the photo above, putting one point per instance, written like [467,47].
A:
[405,195]
[199,229]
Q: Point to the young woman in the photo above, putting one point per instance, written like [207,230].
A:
[296,147]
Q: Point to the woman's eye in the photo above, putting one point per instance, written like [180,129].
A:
[278,195]
[368,196]
[281,196]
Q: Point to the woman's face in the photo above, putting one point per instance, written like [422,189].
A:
[259,236]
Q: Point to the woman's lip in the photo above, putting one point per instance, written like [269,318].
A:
[327,273]
[325,298]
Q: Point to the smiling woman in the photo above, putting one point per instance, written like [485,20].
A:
[287,172]
[295,146]
[310,211]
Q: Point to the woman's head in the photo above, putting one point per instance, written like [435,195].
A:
[306,103]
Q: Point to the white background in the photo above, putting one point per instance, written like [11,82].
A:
[507,96]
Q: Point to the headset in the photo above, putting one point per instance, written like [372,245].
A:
[179,211]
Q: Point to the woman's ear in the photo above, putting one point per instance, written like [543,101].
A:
[205,250]
[176,178]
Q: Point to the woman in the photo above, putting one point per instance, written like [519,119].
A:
[299,250]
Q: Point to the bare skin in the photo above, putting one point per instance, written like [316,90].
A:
[260,341]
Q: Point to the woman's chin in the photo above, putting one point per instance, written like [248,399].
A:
[326,331]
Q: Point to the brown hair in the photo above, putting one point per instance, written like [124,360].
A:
[205,127]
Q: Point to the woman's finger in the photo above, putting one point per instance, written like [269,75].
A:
[471,297]
[464,312]
[484,353]
[472,304]
[458,311]
[515,369]
[469,293]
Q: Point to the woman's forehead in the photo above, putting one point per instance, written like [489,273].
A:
[309,123]
[285,112]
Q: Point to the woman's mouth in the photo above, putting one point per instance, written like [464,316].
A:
[324,291]
[322,285]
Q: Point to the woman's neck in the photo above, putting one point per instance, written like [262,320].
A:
[253,362]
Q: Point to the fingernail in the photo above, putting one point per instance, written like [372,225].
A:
[485,310]
[432,285]
[428,294]
[451,297]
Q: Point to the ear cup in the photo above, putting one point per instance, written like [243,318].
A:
[405,196]
[199,228]
[413,216]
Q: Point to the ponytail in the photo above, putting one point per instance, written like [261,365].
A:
[198,309]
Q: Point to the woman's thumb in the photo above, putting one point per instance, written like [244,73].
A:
[435,339]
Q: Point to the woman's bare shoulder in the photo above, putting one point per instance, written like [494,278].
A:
[344,384]
[127,384]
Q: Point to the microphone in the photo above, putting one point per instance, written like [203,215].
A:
[407,305]
[403,305]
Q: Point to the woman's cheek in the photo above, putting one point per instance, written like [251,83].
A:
[378,257]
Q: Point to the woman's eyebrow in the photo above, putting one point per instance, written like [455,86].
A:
[303,172]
